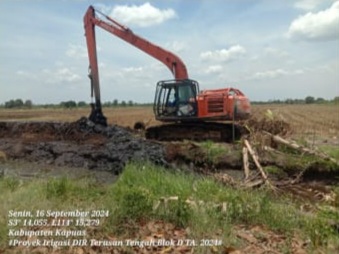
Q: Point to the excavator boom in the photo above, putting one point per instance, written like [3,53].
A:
[173,62]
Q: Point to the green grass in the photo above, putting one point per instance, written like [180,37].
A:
[276,171]
[332,151]
[132,197]
[214,153]
[213,150]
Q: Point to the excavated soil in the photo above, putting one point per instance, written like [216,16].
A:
[78,144]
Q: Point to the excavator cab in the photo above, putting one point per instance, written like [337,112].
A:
[175,100]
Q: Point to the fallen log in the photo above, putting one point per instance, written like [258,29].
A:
[252,184]
[300,148]
[245,162]
[257,163]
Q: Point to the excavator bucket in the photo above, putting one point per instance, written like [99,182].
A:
[97,116]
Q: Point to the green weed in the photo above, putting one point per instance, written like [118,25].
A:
[58,187]
[9,183]
[213,150]
[332,151]
[134,204]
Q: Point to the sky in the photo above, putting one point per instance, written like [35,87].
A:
[269,49]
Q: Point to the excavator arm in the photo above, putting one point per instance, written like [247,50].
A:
[93,71]
[173,62]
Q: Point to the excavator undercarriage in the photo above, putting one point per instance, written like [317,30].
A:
[197,131]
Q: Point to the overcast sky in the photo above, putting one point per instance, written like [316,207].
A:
[269,49]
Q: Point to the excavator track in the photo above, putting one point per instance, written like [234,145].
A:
[198,131]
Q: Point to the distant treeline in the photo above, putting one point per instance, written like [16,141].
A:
[19,103]
[307,100]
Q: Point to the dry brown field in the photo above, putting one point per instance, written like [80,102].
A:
[309,122]
[305,119]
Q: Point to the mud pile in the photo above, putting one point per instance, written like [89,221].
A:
[76,144]
[276,126]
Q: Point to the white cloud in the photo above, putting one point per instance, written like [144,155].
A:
[60,75]
[224,55]
[214,69]
[175,46]
[76,51]
[307,4]
[102,7]
[322,25]
[272,74]
[275,52]
[133,69]
[22,73]
[298,72]
[143,15]
[136,74]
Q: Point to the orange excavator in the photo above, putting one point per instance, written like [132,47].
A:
[189,113]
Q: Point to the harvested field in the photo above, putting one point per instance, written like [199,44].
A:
[313,123]
[305,120]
